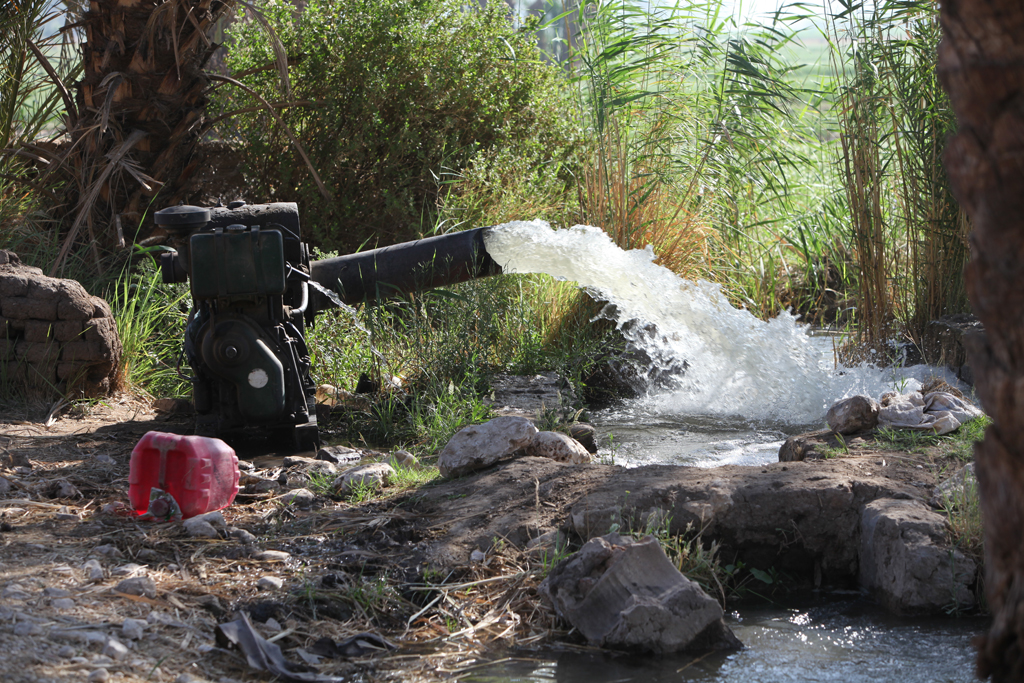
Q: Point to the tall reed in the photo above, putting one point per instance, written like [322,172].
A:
[909,234]
[29,102]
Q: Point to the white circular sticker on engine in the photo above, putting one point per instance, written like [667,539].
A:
[258,378]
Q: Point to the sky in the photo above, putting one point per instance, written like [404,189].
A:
[759,9]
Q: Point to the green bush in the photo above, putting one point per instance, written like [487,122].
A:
[389,98]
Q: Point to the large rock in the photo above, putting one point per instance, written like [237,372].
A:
[626,594]
[557,446]
[906,561]
[945,340]
[852,415]
[479,446]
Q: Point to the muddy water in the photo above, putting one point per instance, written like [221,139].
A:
[841,641]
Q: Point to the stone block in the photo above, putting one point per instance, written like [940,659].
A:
[44,288]
[17,308]
[67,370]
[43,354]
[101,309]
[67,330]
[38,331]
[101,330]
[13,284]
[84,351]
[74,302]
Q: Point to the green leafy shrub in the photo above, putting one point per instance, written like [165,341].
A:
[388,98]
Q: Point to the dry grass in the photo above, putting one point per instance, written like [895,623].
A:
[333,559]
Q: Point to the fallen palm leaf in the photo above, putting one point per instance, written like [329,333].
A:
[265,656]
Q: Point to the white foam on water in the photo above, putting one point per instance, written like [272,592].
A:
[738,365]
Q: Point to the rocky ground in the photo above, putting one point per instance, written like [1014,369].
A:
[437,568]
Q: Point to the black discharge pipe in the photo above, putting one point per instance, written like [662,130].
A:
[402,268]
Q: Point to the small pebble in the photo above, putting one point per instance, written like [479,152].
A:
[137,585]
[102,660]
[156,617]
[52,592]
[107,550]
[273,625]
[270,583]
[5,486]
[241,535]
[93,569]
[477,556]
[215,518]
[300,498]
[271,556]
[66,652]
[115,649]
[263,486]
[62,603]
[148,554]
[113,508]
[65,489]
[187,678]
[103,459]
[199,528]
[15,591]
[67,517]
[130,569]
[27,628]
[132,629]
[99,676]
[402,458]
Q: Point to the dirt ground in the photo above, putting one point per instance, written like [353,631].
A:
[439,571]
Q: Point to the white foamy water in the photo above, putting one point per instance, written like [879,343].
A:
[737,365]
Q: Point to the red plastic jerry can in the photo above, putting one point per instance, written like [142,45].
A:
[200,472]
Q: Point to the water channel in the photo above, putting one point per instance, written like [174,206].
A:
[837,640]
[746,386]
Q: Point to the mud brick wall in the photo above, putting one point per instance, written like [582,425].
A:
[54,336]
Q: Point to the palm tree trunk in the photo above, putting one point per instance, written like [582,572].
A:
[142,98]
[981,64]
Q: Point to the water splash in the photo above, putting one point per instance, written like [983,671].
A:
[353,314]
[737,365]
